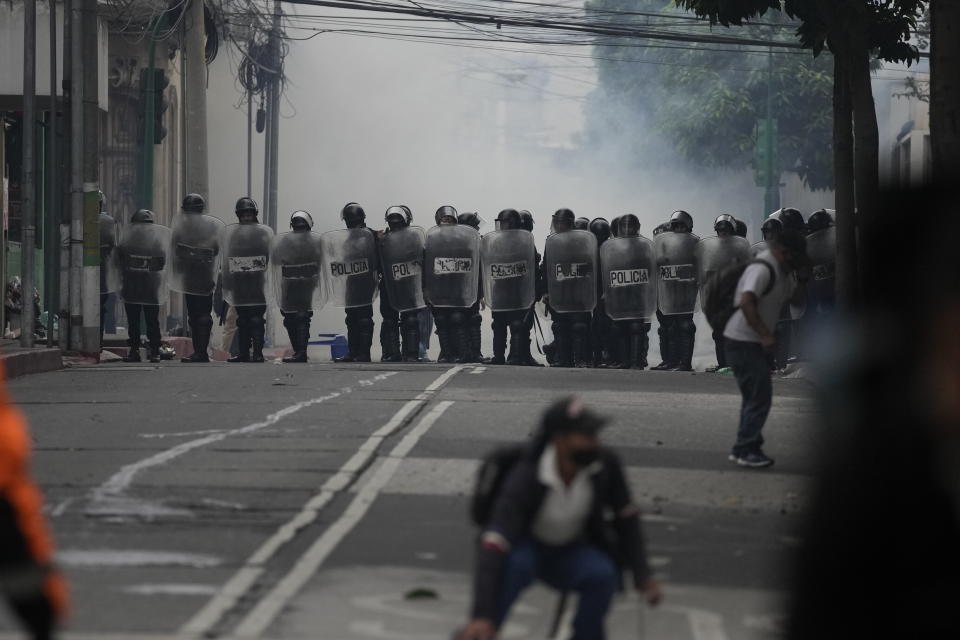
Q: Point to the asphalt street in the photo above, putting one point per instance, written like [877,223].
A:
[329,501]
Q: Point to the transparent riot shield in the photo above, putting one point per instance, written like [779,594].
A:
[570,265]
[350,267]
[628,268]
[401,260]
[509,262]
[109,265]
[677,286]
[716,253]
[246,258]
[451,266]
[195,253]
[295,266]
[142,259]
[758,248]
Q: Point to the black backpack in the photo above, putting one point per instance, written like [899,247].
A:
[491,476]
[720,289]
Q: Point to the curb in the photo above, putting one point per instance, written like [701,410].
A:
[27,361]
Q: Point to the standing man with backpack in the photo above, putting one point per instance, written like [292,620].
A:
[763,288]
[543,512]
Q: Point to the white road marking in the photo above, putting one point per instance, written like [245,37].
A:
[181,434]
[134,558]
[61,508]
[242,581]
[704,624]
[267,609]
[478,370]
[113,489]
[171,589]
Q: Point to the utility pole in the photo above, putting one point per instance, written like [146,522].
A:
[76,173]
[28,199]
[195,76]
[772,196]
[51,240]
[275,115]
[90,234]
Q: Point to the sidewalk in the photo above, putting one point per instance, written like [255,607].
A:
[19,361]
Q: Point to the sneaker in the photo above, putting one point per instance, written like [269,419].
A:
[725,370]
[755,460]
[732,458]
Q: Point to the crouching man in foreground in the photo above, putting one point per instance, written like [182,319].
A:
[564,516]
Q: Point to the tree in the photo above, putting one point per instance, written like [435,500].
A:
[705,102]
[853,30]
[945,88]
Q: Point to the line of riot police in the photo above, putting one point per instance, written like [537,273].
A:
[602,282]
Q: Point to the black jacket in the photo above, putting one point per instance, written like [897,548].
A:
[613,525]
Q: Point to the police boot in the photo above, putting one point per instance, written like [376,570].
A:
[645,346]
[258,330]
[153,352]
[516,350]
[499,343]
[411,339]
[476,337]
[351,346]
[244,340]
[364,340]
[390,341]
[635,351]
[133,353]
[581,345]
[527,359]
[299,332]
[200,328]
[464,346]
[684,344]
[444,338]
[563,355]
[666,351]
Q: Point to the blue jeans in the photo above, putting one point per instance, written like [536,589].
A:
[752,371]
[578,567]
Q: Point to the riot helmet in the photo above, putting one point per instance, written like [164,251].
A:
[661,228]
[353,215]
[601,229]
[629,226]
[193,203]
[790,218]
[397,217]
[725,224]
[741,228]
[820,220]
[246,210]
[508,219]
[526,220]
[581,224]
[771,228]
[615,226]
[445,215]
[471,219]
[681,222]
[142,215]
[563,220]
[301,221]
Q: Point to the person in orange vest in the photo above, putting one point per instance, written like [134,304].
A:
[36,591]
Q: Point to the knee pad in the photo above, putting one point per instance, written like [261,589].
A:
[517,327]
[204,321]
[243,321]
[457,317]
[410,321]
[364,324]
[256,322]
[476,320]
[580,327]
[686,325]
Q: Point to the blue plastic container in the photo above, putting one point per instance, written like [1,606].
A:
[337,343]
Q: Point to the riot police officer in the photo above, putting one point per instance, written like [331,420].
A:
[472,219]
[603,334]
[741,228]
[194,266]
[401,297]
[509,261]
[246,252]
[628,266]
[350,260]
[142,254]
[677,293]
[540,289]
[451,260]
[713,255]
[787,326]
[108,244]
[570,257]
[581,224]
[295,262]
[615,227]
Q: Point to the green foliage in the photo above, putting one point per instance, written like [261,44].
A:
[704,101]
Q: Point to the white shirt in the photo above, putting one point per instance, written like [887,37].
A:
[565,509]
[755,279]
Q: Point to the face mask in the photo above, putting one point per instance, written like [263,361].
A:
[584,457]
